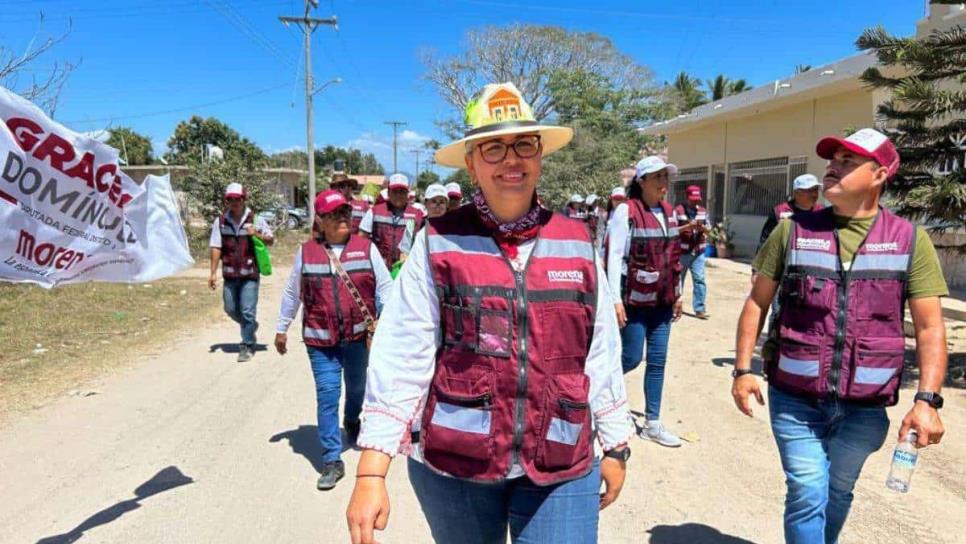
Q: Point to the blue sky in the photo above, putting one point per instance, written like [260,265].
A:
[139,58]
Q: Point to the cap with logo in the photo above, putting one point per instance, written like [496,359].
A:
[500,110]
[693,192]
[617,194]
[649,165]
[435,190]
[453,190]
[398,181]
[576,199]
[590,200]
[329,201]
[805,182]
[868,143]
[234,190]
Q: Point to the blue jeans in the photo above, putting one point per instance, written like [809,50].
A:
[241,303]
[695,263]
[329,367]
[654,326]
[823,445]
[473,513]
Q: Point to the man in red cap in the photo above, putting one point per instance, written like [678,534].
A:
[334,320]
[347,187]
[834,356]
[694,218]
[231,245]
[388,222]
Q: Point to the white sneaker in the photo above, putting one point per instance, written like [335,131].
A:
[656,432]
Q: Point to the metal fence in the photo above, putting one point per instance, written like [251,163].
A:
[756,186]
[717,196]
[685,177]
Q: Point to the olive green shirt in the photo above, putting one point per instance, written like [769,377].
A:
[925,275]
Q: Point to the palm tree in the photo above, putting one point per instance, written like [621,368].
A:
[802,68]
[738,86]
[719,87]
[688,91]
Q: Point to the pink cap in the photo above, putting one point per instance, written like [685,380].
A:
[693,192]
[868,143]
[234,190]
[398,181]
[329,201]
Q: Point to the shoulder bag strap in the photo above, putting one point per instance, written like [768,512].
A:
[344,276]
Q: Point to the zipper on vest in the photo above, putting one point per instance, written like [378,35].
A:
[484,400]
[519,421]
[841,319]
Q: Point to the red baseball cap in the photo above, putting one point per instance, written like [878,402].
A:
[868,143]
[693,192]
[329,201]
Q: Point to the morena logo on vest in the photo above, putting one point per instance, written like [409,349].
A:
[813,243]
[355,255]
[884,246]
[566,276]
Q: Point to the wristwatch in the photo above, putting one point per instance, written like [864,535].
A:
[933,399]
[622,454]
[741,372]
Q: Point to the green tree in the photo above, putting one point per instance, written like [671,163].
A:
[527,55]
[190,138]
[687,93]
[205,185]
[426,178]
[926,118]
[135,148]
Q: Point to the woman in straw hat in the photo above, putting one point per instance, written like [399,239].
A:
[495,365]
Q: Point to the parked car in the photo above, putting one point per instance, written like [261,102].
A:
[287,217]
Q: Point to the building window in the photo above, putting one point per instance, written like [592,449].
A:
[755,187]
[717,197]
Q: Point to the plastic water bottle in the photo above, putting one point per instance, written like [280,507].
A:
[903,463]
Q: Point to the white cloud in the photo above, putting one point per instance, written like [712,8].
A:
[380,145]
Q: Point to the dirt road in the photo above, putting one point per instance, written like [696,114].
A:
[189,446]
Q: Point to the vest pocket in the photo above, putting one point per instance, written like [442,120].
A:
[458,421]
[799,367]
[494,334]
[564,440]
[565,331]
[876,368]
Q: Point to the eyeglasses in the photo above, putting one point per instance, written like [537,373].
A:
[495,151]
[340,213]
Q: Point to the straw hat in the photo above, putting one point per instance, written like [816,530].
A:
[500,110]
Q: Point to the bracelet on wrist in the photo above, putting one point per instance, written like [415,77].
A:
[383,476]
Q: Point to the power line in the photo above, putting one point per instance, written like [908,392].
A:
[179,110]
[247,30]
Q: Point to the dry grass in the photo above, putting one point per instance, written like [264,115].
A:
[53,341]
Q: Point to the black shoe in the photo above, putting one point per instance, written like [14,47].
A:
[331,474]
[351,432]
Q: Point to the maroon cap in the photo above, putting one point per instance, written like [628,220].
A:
[329,201]
[868,143]
[693,192]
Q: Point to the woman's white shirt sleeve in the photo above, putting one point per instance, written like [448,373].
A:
[618,236]
[365,224]
[383,277]
[403,355]
[291,296]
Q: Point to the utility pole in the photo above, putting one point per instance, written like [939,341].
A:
[417,152]
[395,127]
[308,26]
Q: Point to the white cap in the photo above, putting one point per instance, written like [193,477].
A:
[590,199]
[805,182]
[398,181]
[618,192]
[453,190]
[652,164]
[435,190]
[234,190]
[576,199]
[412,194]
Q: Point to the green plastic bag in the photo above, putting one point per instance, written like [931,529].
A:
[394,271]
[262,257]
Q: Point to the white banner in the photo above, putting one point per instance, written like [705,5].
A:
[68,214]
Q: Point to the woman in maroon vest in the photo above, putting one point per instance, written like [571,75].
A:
[495,366]
[333,323]
[644,270]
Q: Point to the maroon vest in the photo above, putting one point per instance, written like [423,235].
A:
[840,331]
[237,250]
[785,209]
[692,241]
[654,265]
[330,315]
[388,229]
[509,384]
[359,209]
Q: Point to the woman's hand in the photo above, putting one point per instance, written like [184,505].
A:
[678,310]
[621,315]
[612,471]
[368,509]
[281,341]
